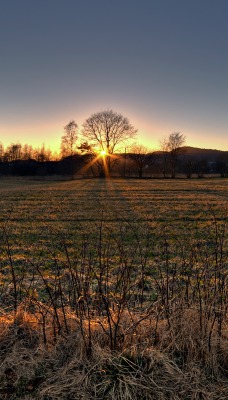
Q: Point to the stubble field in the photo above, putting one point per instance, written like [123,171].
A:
[36,211]
[123,285]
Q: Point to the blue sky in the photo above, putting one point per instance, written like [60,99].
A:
[161,63]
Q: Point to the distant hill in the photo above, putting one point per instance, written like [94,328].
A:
[196,153]
[207,154]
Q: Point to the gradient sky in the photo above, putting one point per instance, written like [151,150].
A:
[161,63]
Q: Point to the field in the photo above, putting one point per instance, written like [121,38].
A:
[34,211]
[119,288]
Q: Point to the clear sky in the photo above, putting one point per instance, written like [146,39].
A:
[161,63]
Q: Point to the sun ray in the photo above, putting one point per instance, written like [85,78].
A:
[104,157]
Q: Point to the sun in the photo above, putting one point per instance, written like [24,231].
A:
[103,153]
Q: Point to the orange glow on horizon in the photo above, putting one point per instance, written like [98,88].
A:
[49,132]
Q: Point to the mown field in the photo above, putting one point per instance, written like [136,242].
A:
[113,289]
[33,210]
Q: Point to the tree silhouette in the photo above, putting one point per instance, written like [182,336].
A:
[175,143]
[68,143]
[105,131]
[171,150]
[141,158]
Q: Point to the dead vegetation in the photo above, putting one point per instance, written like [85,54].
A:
[117,318]
[174,365]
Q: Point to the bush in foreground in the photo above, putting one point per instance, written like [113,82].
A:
[117,317]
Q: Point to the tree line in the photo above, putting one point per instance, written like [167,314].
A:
[106,146]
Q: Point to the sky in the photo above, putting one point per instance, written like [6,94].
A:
[161,63]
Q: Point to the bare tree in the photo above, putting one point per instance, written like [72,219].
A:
[171,150]
[141,157]
[41,154]
[188,167]
[27,152]
[94,163]
[164,155]
[14,151]
[175,144]
[105,132]
[68,143]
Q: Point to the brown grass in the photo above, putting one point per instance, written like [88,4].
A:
[135,308]
[175,364]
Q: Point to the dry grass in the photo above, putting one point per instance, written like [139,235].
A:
[177,366]
[114,290]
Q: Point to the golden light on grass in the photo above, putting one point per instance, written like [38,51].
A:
[138,341]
